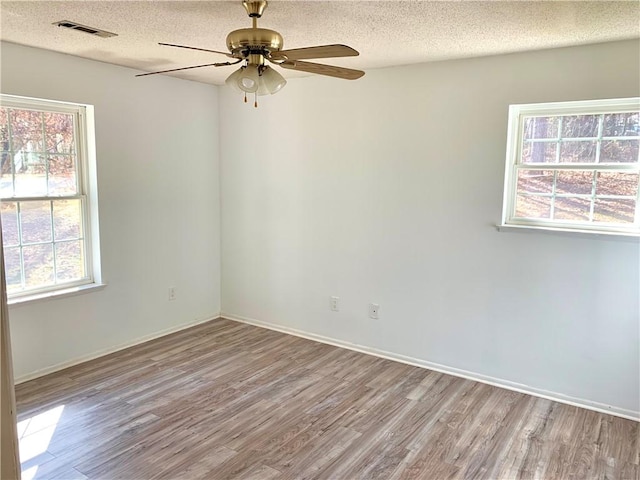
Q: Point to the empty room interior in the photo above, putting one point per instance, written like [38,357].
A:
[320,239]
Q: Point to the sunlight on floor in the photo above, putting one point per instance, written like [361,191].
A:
[29,473]
[35,435]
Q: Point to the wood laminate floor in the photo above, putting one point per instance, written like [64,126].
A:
[226,400]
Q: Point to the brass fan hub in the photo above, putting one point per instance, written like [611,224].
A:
[254,39]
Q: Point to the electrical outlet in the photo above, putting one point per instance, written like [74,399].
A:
[374,310]
[172,293]
[335,304]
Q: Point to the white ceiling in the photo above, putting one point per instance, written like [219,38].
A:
[385,33]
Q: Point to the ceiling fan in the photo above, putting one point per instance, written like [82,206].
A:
[254,46]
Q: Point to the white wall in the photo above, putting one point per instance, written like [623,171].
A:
[158,186]
[387,190]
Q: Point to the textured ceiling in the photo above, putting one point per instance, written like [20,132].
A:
[385,33]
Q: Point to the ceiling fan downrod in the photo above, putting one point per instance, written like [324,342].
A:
[255,10]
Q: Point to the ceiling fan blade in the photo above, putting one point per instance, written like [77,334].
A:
[196,48]
[329,70]
[321,51]
[188,68]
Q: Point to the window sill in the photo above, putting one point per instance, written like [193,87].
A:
[621,236]
[62,293]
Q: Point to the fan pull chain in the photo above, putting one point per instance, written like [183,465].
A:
[255,101]
[245,97]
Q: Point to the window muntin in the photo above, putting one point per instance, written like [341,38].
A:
[44,195]
[574,166]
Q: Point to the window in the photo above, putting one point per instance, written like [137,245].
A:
[47,205]
[574,166]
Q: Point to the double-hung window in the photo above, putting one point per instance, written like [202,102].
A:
[574,166]
[47,205]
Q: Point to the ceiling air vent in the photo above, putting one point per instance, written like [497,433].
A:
[83,28]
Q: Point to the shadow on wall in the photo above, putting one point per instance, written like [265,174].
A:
[138,63]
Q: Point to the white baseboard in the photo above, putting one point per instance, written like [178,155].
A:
[496,382]
[107,351]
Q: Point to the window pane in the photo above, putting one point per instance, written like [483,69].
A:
[6,182]
[30,171]
[69,261]
[617,183]
[574,126]
[12,268]
[578,151]
[539,152]
[26,131]
[4,129]
[9,223]
[6,187]
[528,206]
[621,125]
[614,210]
[59,132]
[574,209]
[4,133]
[578,182]
[62,175]
[35,220]
[67,219]
[541,127]
[6,175]
[619,151]
[38,265]
[536,181]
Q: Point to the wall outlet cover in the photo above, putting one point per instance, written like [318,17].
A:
[335,304]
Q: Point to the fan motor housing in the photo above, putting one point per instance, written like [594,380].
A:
[254,39]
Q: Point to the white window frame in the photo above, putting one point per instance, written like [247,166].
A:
[517,114]
[86,171]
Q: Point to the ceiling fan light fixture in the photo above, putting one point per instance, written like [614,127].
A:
[272,80]
[262,88]
[249,79]
[232,80]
